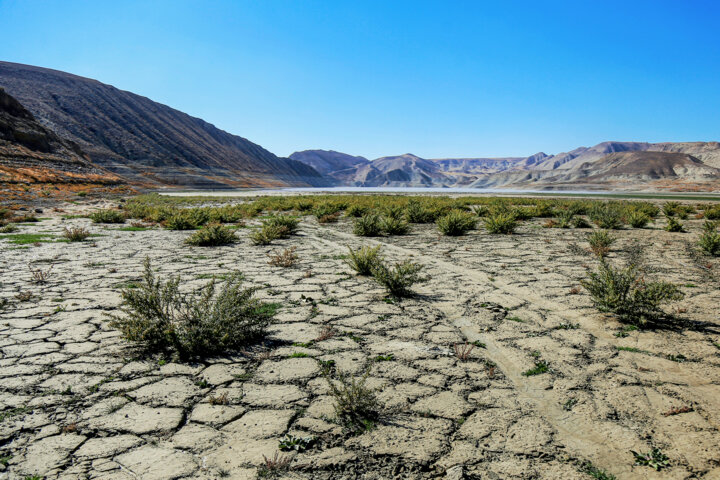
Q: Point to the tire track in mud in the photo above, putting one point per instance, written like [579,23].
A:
[604,443]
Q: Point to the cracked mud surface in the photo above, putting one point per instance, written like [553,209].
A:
[77,401]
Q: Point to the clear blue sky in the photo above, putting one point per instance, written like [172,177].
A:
[373,78]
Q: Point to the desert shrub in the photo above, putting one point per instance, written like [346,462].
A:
[626,293]
[709,241]
[638,219]
[161,318]
[330,218]
[542,210]
[600,242]
[607,216]
[356,211]
[670,208]
[180,222]
[266,234]
[367,226]
[107,216]
[415,212]
[75,234]
[500,223]
[456,223]
[394,225]
[363,259]
[712,213]
[286,259]
[398,278]
[356,406]
[9,228]
[565,218]
[326,210]
[284,223]
[396,212]
[212,235]
[580,222]
[674,225]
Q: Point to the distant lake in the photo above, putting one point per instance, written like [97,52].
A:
[251,192]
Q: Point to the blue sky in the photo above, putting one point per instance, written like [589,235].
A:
[373,78]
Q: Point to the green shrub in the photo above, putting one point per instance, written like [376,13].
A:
[712,213]
[396,212]
[284,223]
[415,212]
[163,319]
[500,223]
[456,223]
[76,234]
[565,218]
[212,235]
[709,240]
[107,216]
[356,211]
[363,259]
[267,233]
[674,225]
[670,208]
[367,226]
[580,222]
[638,219]
[398,279]
[9,228]
[356,406]
[394,226]
[606,216]
[626,293]
[326,210]
[600,242]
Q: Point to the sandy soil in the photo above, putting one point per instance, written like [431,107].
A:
[79,402]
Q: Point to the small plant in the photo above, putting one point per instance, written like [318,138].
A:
[274,465]
[286,224]
[540,367]
[456,223]
[638,219]
[9,228]
[417,213]
[674,225]
[626,293]
[163,319]
[580,222]
[569,404]
[39,275]
[463,351]
[600,242]
[356,405]
[212,235]
[76,234]
[266,234]
[368,225]
[107,216]
[363,259]
[286,259]
[595,472]
[298,444]
[500,223]
[398,279]
[326,333]
[709,240]
[654,459]
[394,225]
[606,216]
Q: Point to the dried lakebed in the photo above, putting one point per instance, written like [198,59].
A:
[77,401]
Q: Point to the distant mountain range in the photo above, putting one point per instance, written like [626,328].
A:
[607,166]
[144,142]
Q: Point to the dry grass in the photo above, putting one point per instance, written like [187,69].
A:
[286,259]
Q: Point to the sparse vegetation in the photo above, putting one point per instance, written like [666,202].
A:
[600,242]
[367,226]
[626,293]
[212,235]
[356,406]
[674,225]
[76,234]
[638,219]
[398,279]
[363,259]
[161,318]
[394,225]
[500,223]
[655,458]
[456,223]
[709,240]
[107,216]
[286,259]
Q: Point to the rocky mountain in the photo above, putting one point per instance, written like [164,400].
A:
[31,153]
[608,165]
[328,162]
[143,141]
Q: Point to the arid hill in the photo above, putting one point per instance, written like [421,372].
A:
[30,153]
[144,141]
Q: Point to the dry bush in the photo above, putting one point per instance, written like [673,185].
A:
[286,259]
[76,234]
[463,351]
[39,275]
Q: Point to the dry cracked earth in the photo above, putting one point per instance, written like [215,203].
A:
[79,402]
